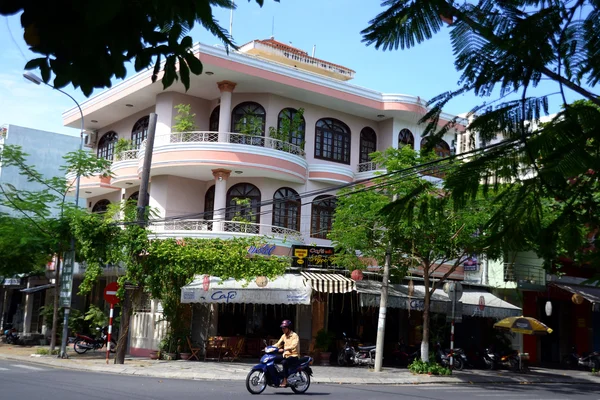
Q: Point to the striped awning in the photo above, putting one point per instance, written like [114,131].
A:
[328,283]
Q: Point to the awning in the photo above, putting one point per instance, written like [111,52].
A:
[37,288]
[328,283]
[591,294]
[286,289]
[490,307]
[370,294]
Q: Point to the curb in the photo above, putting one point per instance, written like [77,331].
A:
[126,369]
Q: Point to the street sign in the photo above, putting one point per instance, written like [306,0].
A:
[481,303]
[66,279]
[110,293]
[458,312]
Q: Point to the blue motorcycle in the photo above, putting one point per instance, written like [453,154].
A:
[271,374]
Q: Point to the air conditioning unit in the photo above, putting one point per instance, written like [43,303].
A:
[90,139]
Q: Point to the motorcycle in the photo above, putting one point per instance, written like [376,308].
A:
[590,361]
[443,357]
[11,337]
[268,373]
[83,343]
[511,361]
[403,356]
[350,356]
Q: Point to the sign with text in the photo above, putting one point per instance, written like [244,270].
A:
[312,257]
[66,279]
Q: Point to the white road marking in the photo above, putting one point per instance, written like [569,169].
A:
[28,367]
[3,369]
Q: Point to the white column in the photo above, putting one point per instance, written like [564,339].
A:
[28,309]
[221,176]
[226,88]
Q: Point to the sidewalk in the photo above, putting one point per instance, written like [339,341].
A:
[237,371]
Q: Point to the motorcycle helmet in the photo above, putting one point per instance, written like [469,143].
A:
[286,323]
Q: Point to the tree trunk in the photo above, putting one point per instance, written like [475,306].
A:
[56,306]
[123,328]
[425,341]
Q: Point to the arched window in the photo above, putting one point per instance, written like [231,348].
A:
[134,196]
[106,145]
[213,123]
[248,118]
[209,203]
[286,209]
[332,140]
[140,131]
[368,144]
[321,216]
[101,206]
[406,138]
[441,149]
[237,211]
[292,123]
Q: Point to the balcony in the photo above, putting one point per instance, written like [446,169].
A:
[91,186]
[527,277]
[195,154]
[200,228]
[127,168]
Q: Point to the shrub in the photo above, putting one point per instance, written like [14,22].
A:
[420,367]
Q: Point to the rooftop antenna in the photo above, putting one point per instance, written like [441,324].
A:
[313,52]
[273,28]
[231,19]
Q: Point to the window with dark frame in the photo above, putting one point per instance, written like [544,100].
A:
[106,145]
[368,144]
[139,133]
[248,117]
[442,150]
[286,209]
[297,137]
[406,138]
[213,123]
[332,140]
[321,217]
[101,206]
[209,203]
[244,191]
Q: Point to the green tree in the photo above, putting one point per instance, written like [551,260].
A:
[505,49]
[427,235]
[43,217]
[69,33]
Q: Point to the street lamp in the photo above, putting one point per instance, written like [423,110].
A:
[30,76]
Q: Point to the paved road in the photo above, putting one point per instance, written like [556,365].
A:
[21,380]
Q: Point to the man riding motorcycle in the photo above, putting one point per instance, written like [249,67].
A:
[289,345]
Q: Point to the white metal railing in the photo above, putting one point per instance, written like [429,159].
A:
[229,137]
[368,166]
[306,59]
[126,155]
[201,225]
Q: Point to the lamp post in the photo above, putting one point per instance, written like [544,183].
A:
[30,76]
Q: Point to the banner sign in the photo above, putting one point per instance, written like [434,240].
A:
[312,257]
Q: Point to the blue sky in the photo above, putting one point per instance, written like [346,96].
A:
[333,26]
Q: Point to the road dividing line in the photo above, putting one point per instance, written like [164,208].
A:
[27,367]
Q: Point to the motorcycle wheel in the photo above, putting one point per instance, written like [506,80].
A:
[514,364]
[113,345]
[567,362]
[302,387]
[77,346]
[458,364]
[489,364]
[342,359]
[256,381]
[596,364]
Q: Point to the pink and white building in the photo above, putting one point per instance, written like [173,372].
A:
[236,100]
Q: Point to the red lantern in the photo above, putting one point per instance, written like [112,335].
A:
[357,275]
[206,282]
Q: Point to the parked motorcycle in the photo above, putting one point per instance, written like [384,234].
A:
[83,343]
[11,337]
[268,373]
[403,356]
[511,361]
[443,357]
[589,361]
[361,355]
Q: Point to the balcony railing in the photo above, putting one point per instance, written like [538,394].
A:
[368,166]
[201,225]
[524,275]
[228,137]
[126,155]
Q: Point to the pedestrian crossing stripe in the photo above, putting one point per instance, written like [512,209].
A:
[27,367]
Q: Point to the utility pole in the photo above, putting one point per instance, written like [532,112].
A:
[382,310]
[142,205]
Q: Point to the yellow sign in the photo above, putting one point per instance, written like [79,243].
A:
[300,253]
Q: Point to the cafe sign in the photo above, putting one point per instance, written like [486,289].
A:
[312,257]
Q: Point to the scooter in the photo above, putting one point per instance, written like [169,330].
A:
[443,357]
[510,361]
[350,356]
[589,361]
[11,337]
[268,373]
[83,343]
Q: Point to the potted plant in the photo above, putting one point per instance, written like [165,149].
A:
[323,342]
[154,354]
[288,129]
[185,124]
[121,146]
